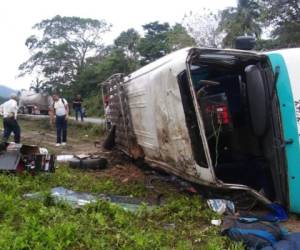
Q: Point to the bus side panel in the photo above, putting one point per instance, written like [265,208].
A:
[290,130]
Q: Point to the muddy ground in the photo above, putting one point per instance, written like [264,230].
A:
[82,140]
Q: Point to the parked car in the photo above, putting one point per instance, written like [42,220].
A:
[221,118]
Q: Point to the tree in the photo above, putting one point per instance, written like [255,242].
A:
[155,43]
[37,85]
[161,39]
[203,27]
[61,46]
[94,73]
[128,42]
[178,38]
[243,20]
[284,17]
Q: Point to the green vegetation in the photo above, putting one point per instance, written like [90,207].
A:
[161,39]
[84,132]
[274,23]
[182,222]
[42,224]
[253,17]
[94,106]
[244,20]
[69,55]
[81,131]
[284,18]
[61,51]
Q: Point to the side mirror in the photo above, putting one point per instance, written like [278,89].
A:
[257,100]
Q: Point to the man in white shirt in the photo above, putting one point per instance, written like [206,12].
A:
[107,115]
[9,110]
[61,112]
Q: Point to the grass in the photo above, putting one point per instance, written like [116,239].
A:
[41,224]
[183,222]
[94,106]
[84,132]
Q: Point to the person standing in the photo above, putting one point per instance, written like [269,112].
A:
[9,110]
[77,106]
[107,111]
[61,112]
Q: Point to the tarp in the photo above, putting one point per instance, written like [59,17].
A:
[78,199]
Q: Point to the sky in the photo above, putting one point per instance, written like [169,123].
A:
[18,16]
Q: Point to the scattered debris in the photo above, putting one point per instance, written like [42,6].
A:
[79,199]
[277,213]
[83,156]
[289,242]
[255,234]
[64,158]
[17,158]
[84,161]
[221,206]
[262,232]
[125,173]
[182,185]
[9,160]
[169,226]
[88,162]
[216,222]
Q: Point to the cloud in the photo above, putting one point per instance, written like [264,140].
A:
[18,17]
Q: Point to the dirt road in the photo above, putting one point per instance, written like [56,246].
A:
[92,120]
[119,167]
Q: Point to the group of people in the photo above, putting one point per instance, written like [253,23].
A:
[58,111]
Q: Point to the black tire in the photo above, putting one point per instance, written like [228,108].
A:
[257,100]
[99,163]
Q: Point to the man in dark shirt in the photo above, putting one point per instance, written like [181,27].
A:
[77,106]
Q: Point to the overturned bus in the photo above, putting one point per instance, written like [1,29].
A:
[225,119]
